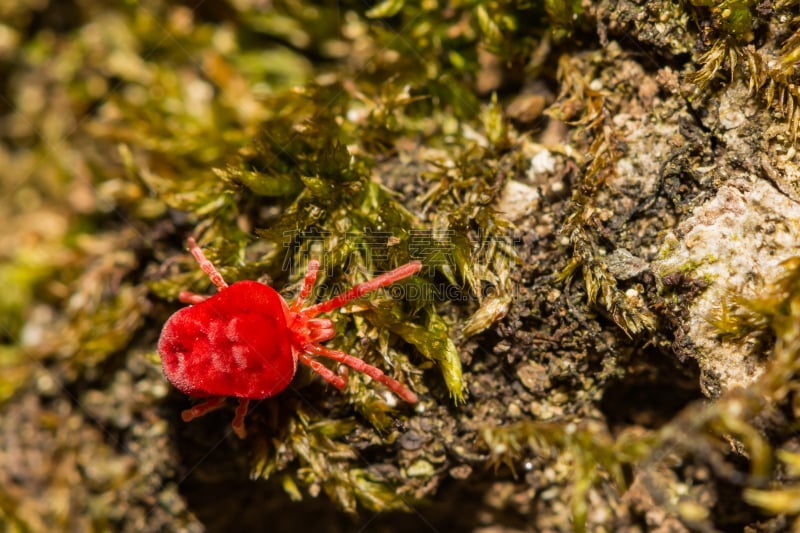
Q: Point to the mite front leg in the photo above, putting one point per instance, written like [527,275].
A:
[362,288]
[308,284]
[206,265]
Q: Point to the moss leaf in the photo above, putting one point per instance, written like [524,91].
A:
[387,8]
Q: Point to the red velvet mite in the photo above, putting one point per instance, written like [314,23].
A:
[245,341]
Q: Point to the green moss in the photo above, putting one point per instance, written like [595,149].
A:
[734,16]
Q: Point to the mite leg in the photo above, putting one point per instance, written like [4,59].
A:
[238,419]
[377,282]
[191,298]
[206,265]
[320,329]
[327,374]
[203,408]
[308,284]
[359,365]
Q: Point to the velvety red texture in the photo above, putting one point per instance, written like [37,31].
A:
[236,343]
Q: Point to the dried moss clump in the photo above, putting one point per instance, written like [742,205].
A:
[771,70]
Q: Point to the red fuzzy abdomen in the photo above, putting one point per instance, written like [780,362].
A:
[236,343]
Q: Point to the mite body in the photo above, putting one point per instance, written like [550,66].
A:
[246,341]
